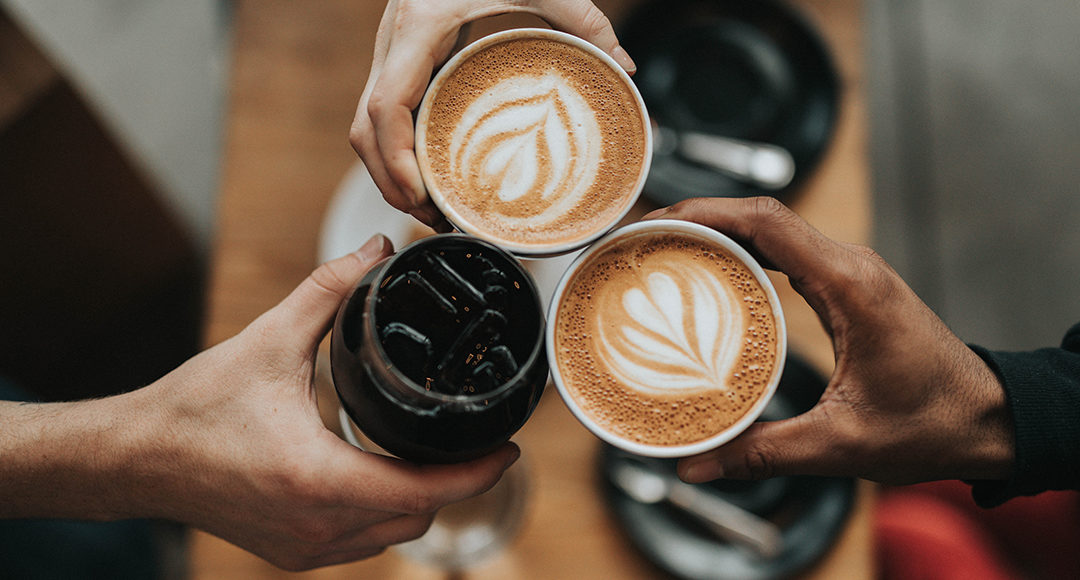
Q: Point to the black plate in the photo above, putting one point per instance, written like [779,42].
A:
[811,511]
[748,69]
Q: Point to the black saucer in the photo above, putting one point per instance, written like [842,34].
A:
[811,511]
[748,69]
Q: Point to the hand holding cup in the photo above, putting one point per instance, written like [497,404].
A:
[908,400]
[414,38]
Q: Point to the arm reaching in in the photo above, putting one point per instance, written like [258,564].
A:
[231,442]
[908,400]
[415,37]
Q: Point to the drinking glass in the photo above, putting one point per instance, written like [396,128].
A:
[438,356]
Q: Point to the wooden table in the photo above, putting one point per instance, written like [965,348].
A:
[298,70]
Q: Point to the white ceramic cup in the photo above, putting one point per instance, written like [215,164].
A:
[711,237]
[461,221]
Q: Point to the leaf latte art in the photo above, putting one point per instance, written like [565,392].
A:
[532,143]
[678,333]
[665,338]
[529,150]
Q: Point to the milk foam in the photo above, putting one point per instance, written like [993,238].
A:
[533,142]
[528,137]
[679,332]
[665,339]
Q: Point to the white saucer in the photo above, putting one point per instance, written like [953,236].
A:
[358,211]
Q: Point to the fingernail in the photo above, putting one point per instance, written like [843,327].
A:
[373,248]
[656,213]
[620,55]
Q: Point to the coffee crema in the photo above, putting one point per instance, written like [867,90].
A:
[533,142]
[665,339]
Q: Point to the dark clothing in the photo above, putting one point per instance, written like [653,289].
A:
[1043,392]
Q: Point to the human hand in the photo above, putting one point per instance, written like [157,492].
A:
[416,36]
[907,402]
[232,443]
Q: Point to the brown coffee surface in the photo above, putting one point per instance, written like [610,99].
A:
[665,339]
[535,142]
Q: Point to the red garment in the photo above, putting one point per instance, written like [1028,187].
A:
[935,531]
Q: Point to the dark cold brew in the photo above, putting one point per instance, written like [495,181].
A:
[438,355]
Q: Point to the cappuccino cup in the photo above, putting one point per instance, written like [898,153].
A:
[666,338]
[533,140]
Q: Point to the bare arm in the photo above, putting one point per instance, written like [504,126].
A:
[232,442]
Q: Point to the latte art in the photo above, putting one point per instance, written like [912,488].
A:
[679,333]
[665,338]
[532,140]
[537,139]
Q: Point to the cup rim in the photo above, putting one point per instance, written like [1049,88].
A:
[712,236]
[538,350]
[452,215]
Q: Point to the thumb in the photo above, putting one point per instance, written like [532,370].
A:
[307,312]
[797,446]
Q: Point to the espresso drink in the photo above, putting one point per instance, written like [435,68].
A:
[438,356]
[666,338]
[534,140]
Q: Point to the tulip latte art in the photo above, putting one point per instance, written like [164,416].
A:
[665,339]
[532,142]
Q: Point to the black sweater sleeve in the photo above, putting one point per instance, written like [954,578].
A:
[1042,388]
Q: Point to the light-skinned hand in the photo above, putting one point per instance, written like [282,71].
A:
[232,443]
[415,37]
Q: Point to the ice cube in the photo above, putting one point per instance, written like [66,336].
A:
[469,347]
[399,288]
[410,349]
[497,296]
[438,269]
[503,360]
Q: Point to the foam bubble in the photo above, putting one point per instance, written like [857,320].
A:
[533,141]
[665,331]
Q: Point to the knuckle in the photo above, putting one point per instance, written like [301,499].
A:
[314,533]
[380,103]
[769,208]
[419,501]
[329,279]
[759,464]
[867,278]
[358,137]
[594,22]
[694,206]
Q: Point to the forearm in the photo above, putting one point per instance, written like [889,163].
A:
[68,459]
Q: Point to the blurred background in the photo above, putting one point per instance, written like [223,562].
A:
[974,142]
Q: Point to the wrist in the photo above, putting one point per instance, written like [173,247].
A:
[991,449]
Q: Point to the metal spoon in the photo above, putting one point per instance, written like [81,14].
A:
[767,166]
[726,520]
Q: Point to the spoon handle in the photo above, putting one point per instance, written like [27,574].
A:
[762,164]
[728,520]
